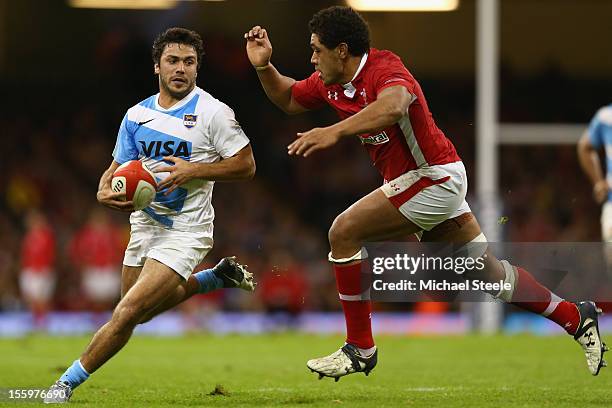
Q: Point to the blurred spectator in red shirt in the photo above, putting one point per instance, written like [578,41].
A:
[37,279]
[97,251]
[283,289]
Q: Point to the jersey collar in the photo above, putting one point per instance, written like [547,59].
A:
[349,88]
[177,105]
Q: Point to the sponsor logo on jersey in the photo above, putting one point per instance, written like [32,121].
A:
[332,95]
[157,148]
[375,139]
[189,120]
[144,122]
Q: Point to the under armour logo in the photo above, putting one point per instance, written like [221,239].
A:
[364,95]
[332,95]
[589,335]
[395,187]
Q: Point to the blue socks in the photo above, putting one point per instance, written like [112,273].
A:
[75,375]
[208,281]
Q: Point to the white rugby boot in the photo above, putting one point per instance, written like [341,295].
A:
[343,362]
[59,393]
[588,336]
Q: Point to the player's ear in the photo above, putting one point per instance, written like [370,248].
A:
[342,50]
[156,68]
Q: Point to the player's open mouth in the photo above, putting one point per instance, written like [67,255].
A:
[178,81]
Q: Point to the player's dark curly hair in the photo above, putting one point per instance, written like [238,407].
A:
[340,24]
[178,35]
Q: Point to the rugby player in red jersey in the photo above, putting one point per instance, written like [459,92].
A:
[425,183]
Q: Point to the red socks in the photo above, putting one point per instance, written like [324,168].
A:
[356,305]
[528,294]
[532,296]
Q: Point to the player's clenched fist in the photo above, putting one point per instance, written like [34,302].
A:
[258,46]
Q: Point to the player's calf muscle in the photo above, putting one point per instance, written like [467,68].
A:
[492,272]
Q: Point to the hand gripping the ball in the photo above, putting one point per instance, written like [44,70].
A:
[108,198]
[181,172]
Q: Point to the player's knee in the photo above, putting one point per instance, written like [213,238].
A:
[128,315]
[342,230]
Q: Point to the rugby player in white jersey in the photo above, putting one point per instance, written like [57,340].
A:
[190,140]
[597,137]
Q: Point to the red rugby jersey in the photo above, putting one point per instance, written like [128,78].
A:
[38,250]
[97,246]
[415,141]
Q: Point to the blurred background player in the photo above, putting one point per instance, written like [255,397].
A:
[598,137]
[282,289]
[425,181]
[37,278]
[95,250]
[187,127]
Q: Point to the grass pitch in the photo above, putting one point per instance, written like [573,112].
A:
[270,370]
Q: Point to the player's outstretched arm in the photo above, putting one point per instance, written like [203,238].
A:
[240,166]
[590,163]
[277,86]
[107,197]
[390,106]
[392,103]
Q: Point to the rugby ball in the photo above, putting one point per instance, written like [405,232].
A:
[136,181]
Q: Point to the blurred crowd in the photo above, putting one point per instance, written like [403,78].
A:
[60,250]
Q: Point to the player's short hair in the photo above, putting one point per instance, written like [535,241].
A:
[178,35]
[340,24]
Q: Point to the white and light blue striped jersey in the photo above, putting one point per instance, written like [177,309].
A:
[199,128]
[600,135]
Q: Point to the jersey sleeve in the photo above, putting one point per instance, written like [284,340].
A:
[307,92]
[596,130]
[391,72]
[125,147]
[227,136]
